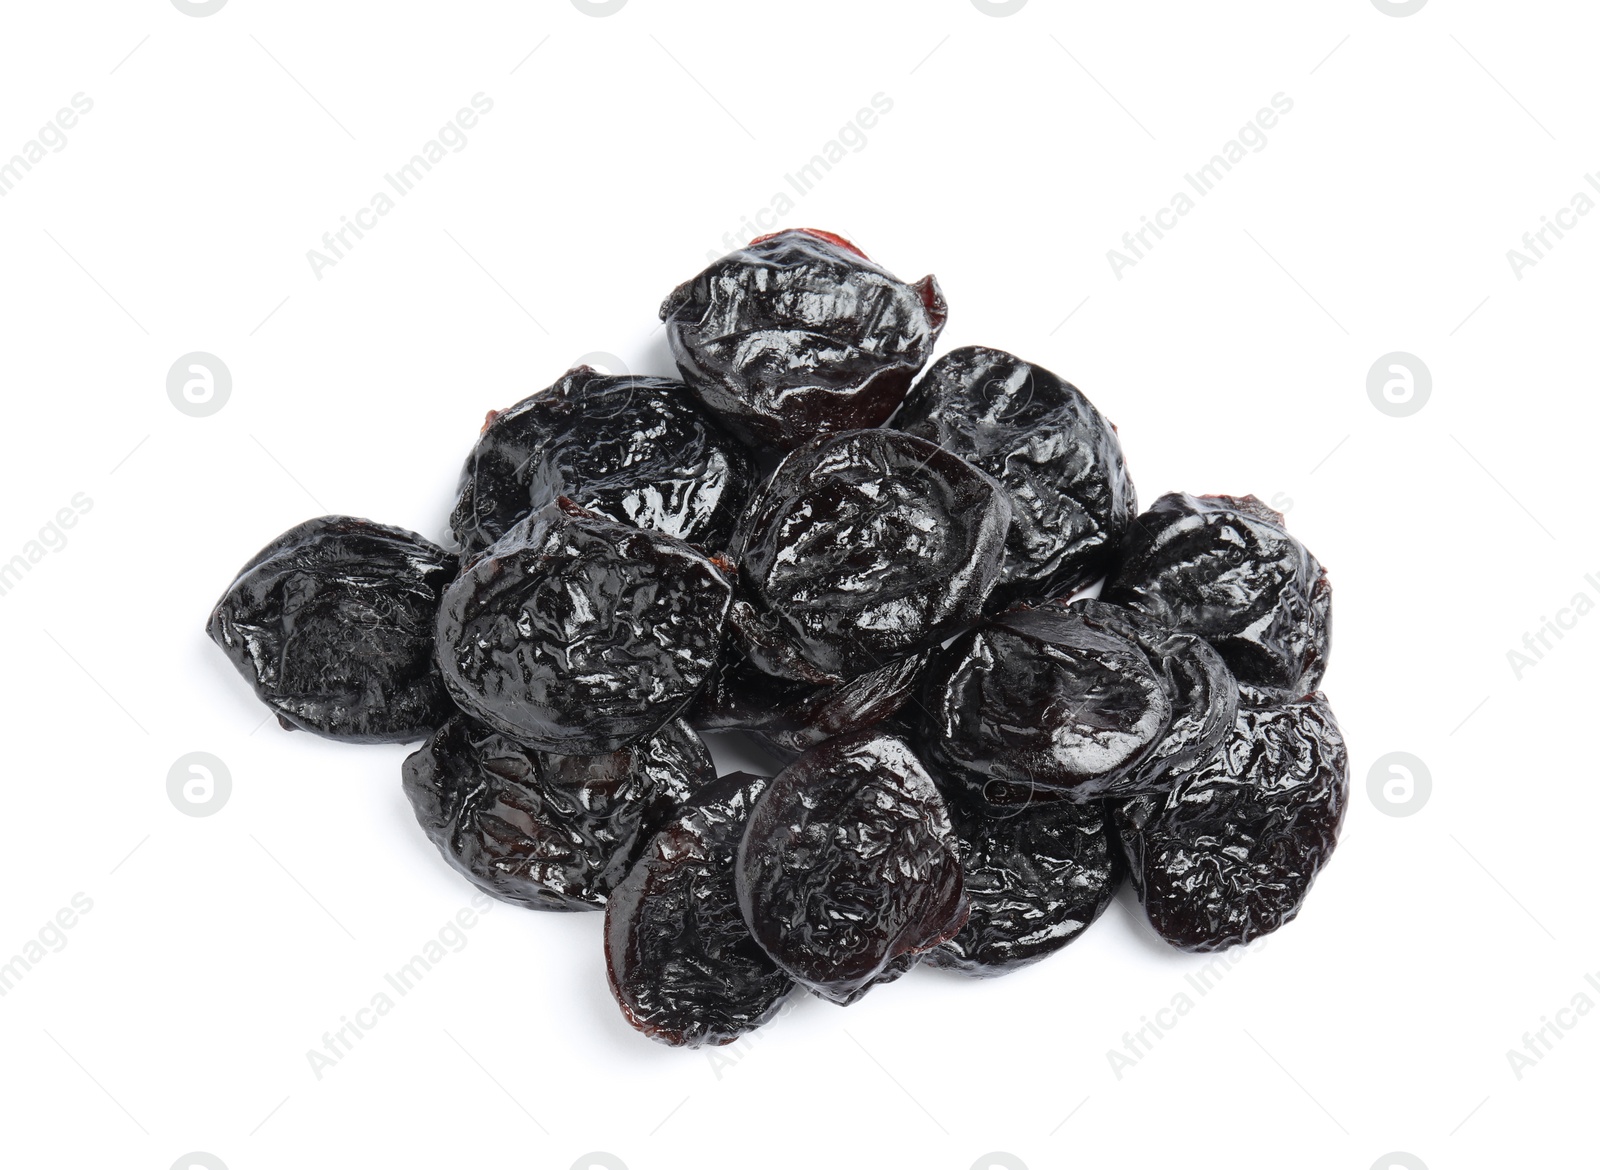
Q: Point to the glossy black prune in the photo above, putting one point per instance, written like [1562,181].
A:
[1037,878]
[1040,704]
[848,868]
[332,625]
[1057,457]
[577,635]
[794,716]
[1204,694]
[1226,568]
[681,962]
[1230,852]
[548,832]
[635,450]
[862,548]
[799,335]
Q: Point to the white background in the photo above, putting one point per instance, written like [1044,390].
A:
[1234,358]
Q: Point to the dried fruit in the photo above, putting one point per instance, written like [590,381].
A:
[1037,878]
[635,450]
[578,635]
[1230,852]
[332,625]
[1041,704]
[863,548]
[1055,455]
[1204,695]
[848,868]
[800,335]
[548,832]
[1226,568]
[796,716]
[680,959]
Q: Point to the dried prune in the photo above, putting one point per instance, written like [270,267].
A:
[681,961]
[548,832]
[1230,852]
[848,868]
[1055,454]
[1203,691]
[862,548]
[1037,878]
[332,624]
[1040,704]
[1226,568]
[799,335]
[794,716]
[635,450]
[578,635]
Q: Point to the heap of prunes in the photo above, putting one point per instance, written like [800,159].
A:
[879,577]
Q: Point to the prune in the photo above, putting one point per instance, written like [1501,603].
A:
[1040,704]
[1225,568]
[680,959]
[548,832]
[1037,879]
[799,335]
[1230,852]
[1055,454]
[635,450]
[332,626]
[1204,694]
[848,868]
[865,547]
[793,716]
[577,635]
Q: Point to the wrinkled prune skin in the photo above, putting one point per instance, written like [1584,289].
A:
[800,335]
[1230,852]
[577,635]
[848,868]
[635,450]
[794,716]
[1039,704]
[682,964]
[332,625]
[1037,878]
[1226,568]
[543,831]
[1057,457]
[865,547]
[1204,694]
